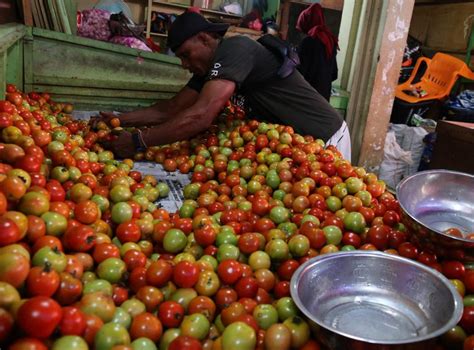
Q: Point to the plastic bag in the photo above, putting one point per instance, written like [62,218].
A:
[410,139]
[114,6]
[395,161]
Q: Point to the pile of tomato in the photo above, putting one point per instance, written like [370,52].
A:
[89,261]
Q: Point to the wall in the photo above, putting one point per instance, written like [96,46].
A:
[443,27]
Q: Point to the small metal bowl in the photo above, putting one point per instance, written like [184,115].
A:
[374,300]
[434,201]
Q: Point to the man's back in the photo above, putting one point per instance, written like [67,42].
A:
[289,101]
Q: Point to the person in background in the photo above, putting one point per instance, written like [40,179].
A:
[318,50]
[222,67]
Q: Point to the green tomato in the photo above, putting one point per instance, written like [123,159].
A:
[468,300]
[55,146]
[122,318]
[259,260]
[104,156]
[186,211]
[121,212]
[196,326]
[60,173]
[168,336]
[191,191]
[365,197]
[56,224]
[354,221]
[279,194]
[111,269]
[102,202]
[354,185]
[239,336]
[333,203]
[70,342]
[87,277]
[279,214]
[340,190]
[174,241]
[348,248]
[143,344]
[133,307]
[98,285]
[277,249]
[52,257]
[74,173]
[109,169]
[163,189]
[311,218]
[333,234]
[34,203]
[289,228]
[210,260]
[299,245]
[265,315]
[272,179]
[286,308]
[127,246]
[299,330]
[227,251]
[109,335]
[152,194]
[184,296]
[120,193]
[226,237]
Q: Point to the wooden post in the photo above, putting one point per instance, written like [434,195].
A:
[392,46]
[28,17]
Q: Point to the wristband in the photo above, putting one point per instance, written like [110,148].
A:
[138,141]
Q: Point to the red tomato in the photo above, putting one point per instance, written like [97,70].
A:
[185,274]
[42,281]
[453,269]
[229,271]
[39,316]
[171,314]
[467,319]
[79,239]
[73,321]
[184,342]
[247,287]
[128,232]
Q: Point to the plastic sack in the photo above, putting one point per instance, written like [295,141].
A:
[94,24]
[114,6]
[410,139]
[395,161]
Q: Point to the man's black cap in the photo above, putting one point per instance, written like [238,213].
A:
[189,24]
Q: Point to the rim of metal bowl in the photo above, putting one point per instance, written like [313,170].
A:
[424,173]
[458,303]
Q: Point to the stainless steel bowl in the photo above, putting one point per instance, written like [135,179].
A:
[374,300]
[434,201]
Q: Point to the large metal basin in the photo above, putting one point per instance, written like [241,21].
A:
[434,201]
[374,300]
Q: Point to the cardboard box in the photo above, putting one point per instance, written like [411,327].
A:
[454,147]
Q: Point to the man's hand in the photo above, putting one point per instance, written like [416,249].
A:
[105,117]
[122,146]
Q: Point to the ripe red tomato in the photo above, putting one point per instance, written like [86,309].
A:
[79,239]
[39,316]
[185,274]
[184,342]
[159,273]
[229,271]
[42,281]
[73,321]
[128,231]
[246,287]
[171,313]
[453,269]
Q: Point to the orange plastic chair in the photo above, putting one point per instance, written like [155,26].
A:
[437,81]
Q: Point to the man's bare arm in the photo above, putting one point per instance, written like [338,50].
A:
[160,111]
[194,119]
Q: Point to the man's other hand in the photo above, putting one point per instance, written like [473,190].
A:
[123,146]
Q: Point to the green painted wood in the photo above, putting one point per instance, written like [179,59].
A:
[28,61]
[78,70]
[10,34]
[14,73]
[3,74]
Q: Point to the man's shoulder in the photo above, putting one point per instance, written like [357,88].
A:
[239,41]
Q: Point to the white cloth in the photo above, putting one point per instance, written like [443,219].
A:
[342,140]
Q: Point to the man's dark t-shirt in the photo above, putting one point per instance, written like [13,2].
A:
[289,101]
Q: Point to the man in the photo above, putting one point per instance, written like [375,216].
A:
[222,67]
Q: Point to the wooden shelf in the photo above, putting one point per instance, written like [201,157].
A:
[159,35]
[182,8]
